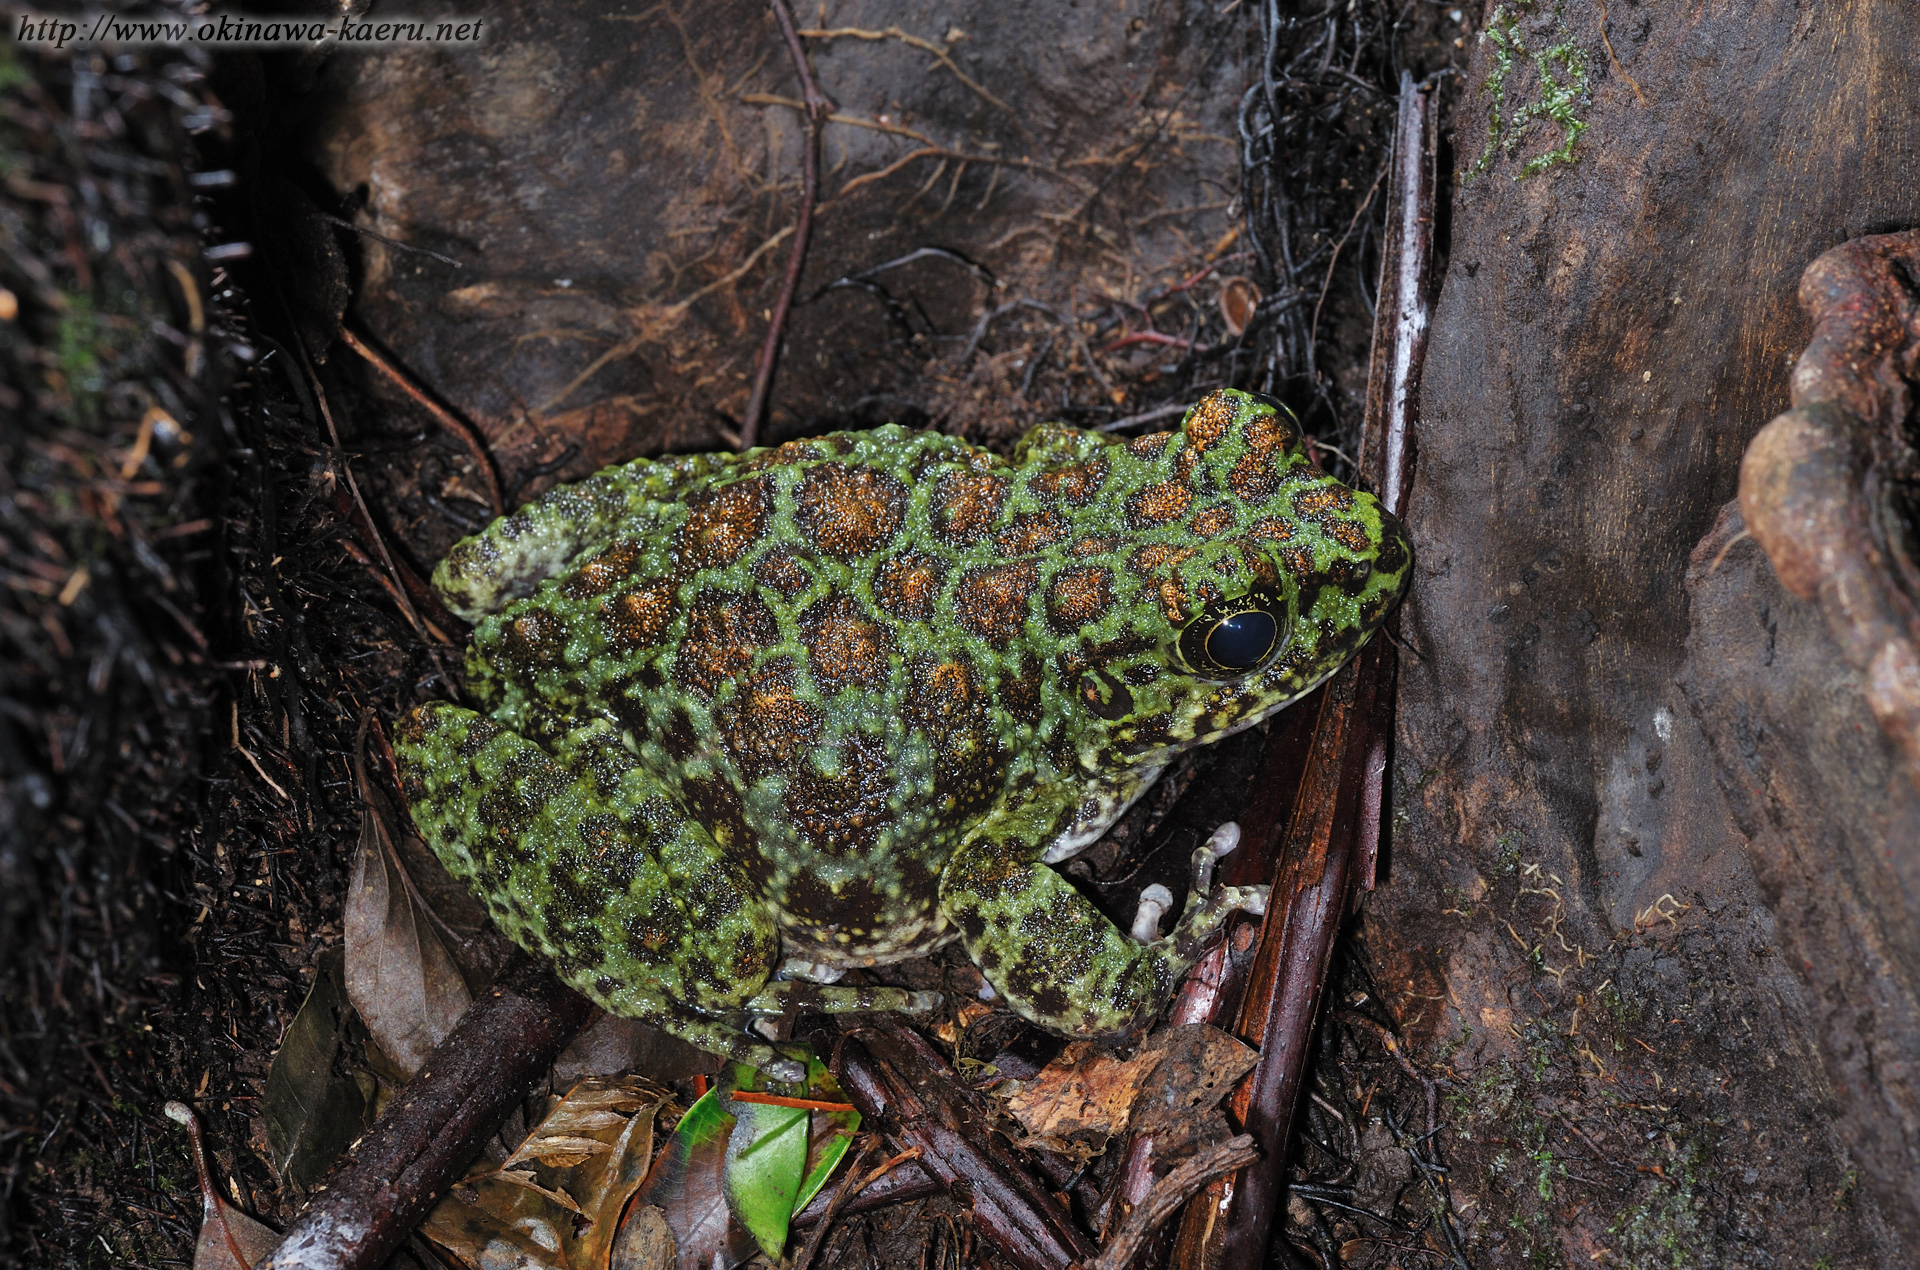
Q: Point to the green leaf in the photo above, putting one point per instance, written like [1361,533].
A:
[829,1134]
[765,1162]
[686,1186]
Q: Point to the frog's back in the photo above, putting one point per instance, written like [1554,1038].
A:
[845,650]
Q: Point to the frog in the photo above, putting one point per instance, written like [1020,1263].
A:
[747,720]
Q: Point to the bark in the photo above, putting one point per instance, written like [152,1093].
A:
[1610,335]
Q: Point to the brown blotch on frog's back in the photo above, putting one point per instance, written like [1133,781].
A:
[1075,484]
[853,906]
[966,504]
[784,570]
[724,631]
[1317,501]
[1150,445]
[1212,522]
[992,603]
[1350,534]
[638,618]
[947,700]
[722,524]
[1079,597]
[1021,694]
[767,727]
[1274,529]
[715,804]
[845,647]
[848,511]
[1392,556]
[1031,532]
[847,812]
[604,572]
[787,454]
[535,640]
[908,585]
[1160,504]
[1209,420]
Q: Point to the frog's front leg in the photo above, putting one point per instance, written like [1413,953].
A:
[594,865]
[1044,947]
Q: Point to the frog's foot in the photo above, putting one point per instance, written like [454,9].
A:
[811,971]
[1208,907]
[1155,900]
[782,994]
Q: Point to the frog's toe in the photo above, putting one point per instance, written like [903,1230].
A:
[1223,841]
[1155,900]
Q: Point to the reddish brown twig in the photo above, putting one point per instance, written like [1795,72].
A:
[817,110]
[461,430]
[1146,337]
[1168,1194]
[501,1048]
[781,1100]
[894,1076]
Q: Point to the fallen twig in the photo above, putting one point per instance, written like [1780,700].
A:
[494,1057]
[464,432]
[893,1075]
[1168,1194]
[817,110]
[1332,839]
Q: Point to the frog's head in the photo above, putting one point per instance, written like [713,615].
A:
[1273,577]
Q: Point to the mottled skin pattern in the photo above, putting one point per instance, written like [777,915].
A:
[852,694]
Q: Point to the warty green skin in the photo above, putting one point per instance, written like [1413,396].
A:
[852,696]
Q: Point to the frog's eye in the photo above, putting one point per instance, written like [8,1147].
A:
[1235,638]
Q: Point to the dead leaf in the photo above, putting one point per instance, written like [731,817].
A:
[313,1110]
[399,974]
[1238,300]
[1198,1066]
[1087,1094]
[557,1200]
[686,1187]
[228,1239]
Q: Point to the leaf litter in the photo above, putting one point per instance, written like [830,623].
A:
[229,1239]
[558,1198]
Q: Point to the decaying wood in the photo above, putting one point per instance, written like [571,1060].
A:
[1821,486]
[1168,1194]
[499,1052]
[896,1078]
[1619,738]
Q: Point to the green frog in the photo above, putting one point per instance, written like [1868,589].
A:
[849,698]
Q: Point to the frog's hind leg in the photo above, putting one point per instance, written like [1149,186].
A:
[592,864]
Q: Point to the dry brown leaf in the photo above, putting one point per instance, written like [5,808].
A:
[557,1201]
[400,976]
[1238,300]
[228,1239]
[1087,1095]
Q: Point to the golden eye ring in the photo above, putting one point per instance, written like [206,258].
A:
[1237,638]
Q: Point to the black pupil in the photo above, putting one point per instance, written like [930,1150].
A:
[1242,641]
